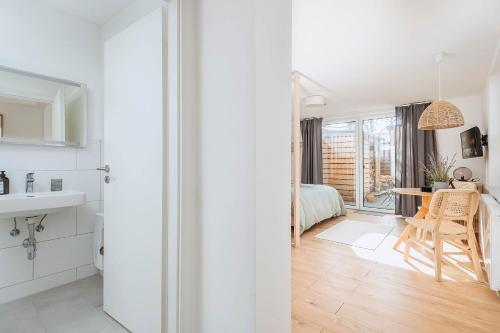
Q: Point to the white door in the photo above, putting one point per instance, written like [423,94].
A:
[134,197]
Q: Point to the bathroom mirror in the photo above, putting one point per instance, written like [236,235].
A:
[40,110]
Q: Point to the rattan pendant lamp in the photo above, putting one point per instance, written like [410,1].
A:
[440,114]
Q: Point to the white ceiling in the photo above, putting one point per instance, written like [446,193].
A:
[364,54]
[97,11]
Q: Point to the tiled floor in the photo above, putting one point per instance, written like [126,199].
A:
[73,308]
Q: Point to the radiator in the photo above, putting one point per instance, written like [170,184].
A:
[489,239]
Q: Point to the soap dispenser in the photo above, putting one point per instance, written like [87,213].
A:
[4,183]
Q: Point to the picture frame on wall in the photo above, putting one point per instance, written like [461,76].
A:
[1,125]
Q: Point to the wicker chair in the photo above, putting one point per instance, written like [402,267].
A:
[448,210]
[459,185]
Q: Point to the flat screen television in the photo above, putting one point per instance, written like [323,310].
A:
[471,143]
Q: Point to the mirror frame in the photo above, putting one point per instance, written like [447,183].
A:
[49,143]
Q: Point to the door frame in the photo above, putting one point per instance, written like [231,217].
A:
[358,120]
[171,49]
[360,164]
[182,173]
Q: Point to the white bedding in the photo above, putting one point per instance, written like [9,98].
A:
[318,203]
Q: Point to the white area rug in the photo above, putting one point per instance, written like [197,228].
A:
[357,233]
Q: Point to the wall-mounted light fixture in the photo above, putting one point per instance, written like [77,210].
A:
[314,101]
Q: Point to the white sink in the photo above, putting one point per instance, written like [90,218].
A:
[30,204]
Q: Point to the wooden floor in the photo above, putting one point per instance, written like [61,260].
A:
[339,288]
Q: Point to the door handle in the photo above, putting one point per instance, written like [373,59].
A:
[104,168]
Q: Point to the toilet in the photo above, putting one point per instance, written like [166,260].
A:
[99,242]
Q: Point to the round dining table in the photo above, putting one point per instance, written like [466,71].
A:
[421,213]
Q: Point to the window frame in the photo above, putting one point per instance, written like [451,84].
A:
[358,124]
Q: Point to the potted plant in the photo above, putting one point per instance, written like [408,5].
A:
[436,173]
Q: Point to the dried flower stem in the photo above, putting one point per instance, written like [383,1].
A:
[438,168]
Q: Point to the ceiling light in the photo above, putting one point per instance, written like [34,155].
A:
[440,114]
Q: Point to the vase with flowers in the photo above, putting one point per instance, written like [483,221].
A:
[436,172]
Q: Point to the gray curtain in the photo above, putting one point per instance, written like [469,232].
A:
[412,148]
[312,151]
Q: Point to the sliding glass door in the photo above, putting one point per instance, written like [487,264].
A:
[358,160]
[378,163]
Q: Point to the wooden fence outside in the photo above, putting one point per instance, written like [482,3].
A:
[339,165]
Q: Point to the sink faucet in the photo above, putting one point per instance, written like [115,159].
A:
[29,182]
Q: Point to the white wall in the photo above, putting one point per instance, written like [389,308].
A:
[39,39]
[273,164]
[237,82]
[227,215]
[128,15]
[491,114]
[448,140]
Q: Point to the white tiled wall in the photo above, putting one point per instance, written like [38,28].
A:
[65,246]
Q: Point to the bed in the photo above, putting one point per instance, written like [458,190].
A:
[318,203]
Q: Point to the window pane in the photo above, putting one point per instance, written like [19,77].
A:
[339,159]
[378,163]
